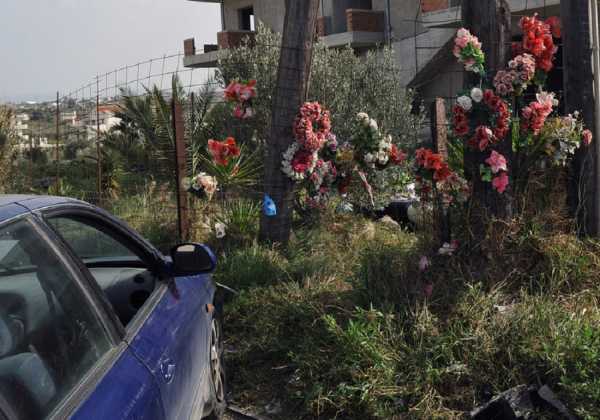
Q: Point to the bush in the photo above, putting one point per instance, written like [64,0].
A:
[342,81]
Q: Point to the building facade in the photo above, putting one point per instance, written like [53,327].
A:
[420,32]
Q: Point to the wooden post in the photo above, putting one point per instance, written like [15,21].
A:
[579,96]
[439,134]
[490,21]
[180,170]
[290,93]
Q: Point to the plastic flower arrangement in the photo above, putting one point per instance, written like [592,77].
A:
[372,149]
[223,151]
[434,178]
[321,163]
[467,49]
[312,130]
[495,111]
[241,95]
[201,185]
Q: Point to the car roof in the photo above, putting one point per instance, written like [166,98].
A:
[12,205]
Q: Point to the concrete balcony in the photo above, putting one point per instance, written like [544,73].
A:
[210,56]
[364,29]
[447,13]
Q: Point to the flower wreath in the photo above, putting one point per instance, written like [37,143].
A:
[484,135]
[312,126]
[312,130]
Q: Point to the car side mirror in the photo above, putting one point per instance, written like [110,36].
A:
[191,259]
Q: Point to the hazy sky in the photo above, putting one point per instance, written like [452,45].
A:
[50,45]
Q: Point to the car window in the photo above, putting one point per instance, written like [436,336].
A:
[50,337]
[121,274]
[89,242]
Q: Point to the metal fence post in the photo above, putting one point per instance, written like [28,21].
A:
[98,145]
[57,151]
[180,169]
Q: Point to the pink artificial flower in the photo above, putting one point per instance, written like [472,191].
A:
[424,263]
[497,162]
[500,182]
[587,137]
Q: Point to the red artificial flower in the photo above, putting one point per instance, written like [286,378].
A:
[397,156]
[443,173]
[434,161]
[302,161]
[500,182]
[421,155]
[587,137]
[232,149]
[221,152]
[538,41]
[461,122]
[555,26]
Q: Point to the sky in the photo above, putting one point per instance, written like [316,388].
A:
[58,45]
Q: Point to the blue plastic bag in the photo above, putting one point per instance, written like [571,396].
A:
[269,207]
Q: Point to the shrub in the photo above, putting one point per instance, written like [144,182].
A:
[341,81]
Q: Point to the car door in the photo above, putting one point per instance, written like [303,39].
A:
[60,356]
[170,333]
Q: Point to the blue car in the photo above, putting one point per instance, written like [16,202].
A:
[95,323]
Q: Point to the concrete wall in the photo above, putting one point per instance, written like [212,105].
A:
[336,11]
[269,12]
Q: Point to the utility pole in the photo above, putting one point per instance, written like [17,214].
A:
[57,140]
[290,93]
[490,21]
[579,96]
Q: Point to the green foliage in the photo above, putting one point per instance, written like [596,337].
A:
[342,81]
[240,172]
[151,212]
[251,266]
[241,218]
[374,347]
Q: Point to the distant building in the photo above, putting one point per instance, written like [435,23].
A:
[106,120]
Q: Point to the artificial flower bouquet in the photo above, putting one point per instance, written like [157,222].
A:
[240,94]
[513,106]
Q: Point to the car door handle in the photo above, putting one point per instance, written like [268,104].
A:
[167,370]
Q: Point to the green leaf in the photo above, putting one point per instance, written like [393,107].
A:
[486,173]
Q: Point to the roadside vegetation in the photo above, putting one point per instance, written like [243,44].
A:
[338,326]
[358,318]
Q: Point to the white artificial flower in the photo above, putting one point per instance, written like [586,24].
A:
[477,94]
[369,158]
[186,183]
[546,98]
[373,125]
[219,230]
[363,118]
[465,102]
[382,157]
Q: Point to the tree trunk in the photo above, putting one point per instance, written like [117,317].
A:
[290,93]
[579,96]
[490,21]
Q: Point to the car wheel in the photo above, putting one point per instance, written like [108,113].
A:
[217,369]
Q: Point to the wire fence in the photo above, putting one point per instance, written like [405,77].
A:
[72,148]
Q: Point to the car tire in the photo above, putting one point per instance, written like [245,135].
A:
[217,369]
